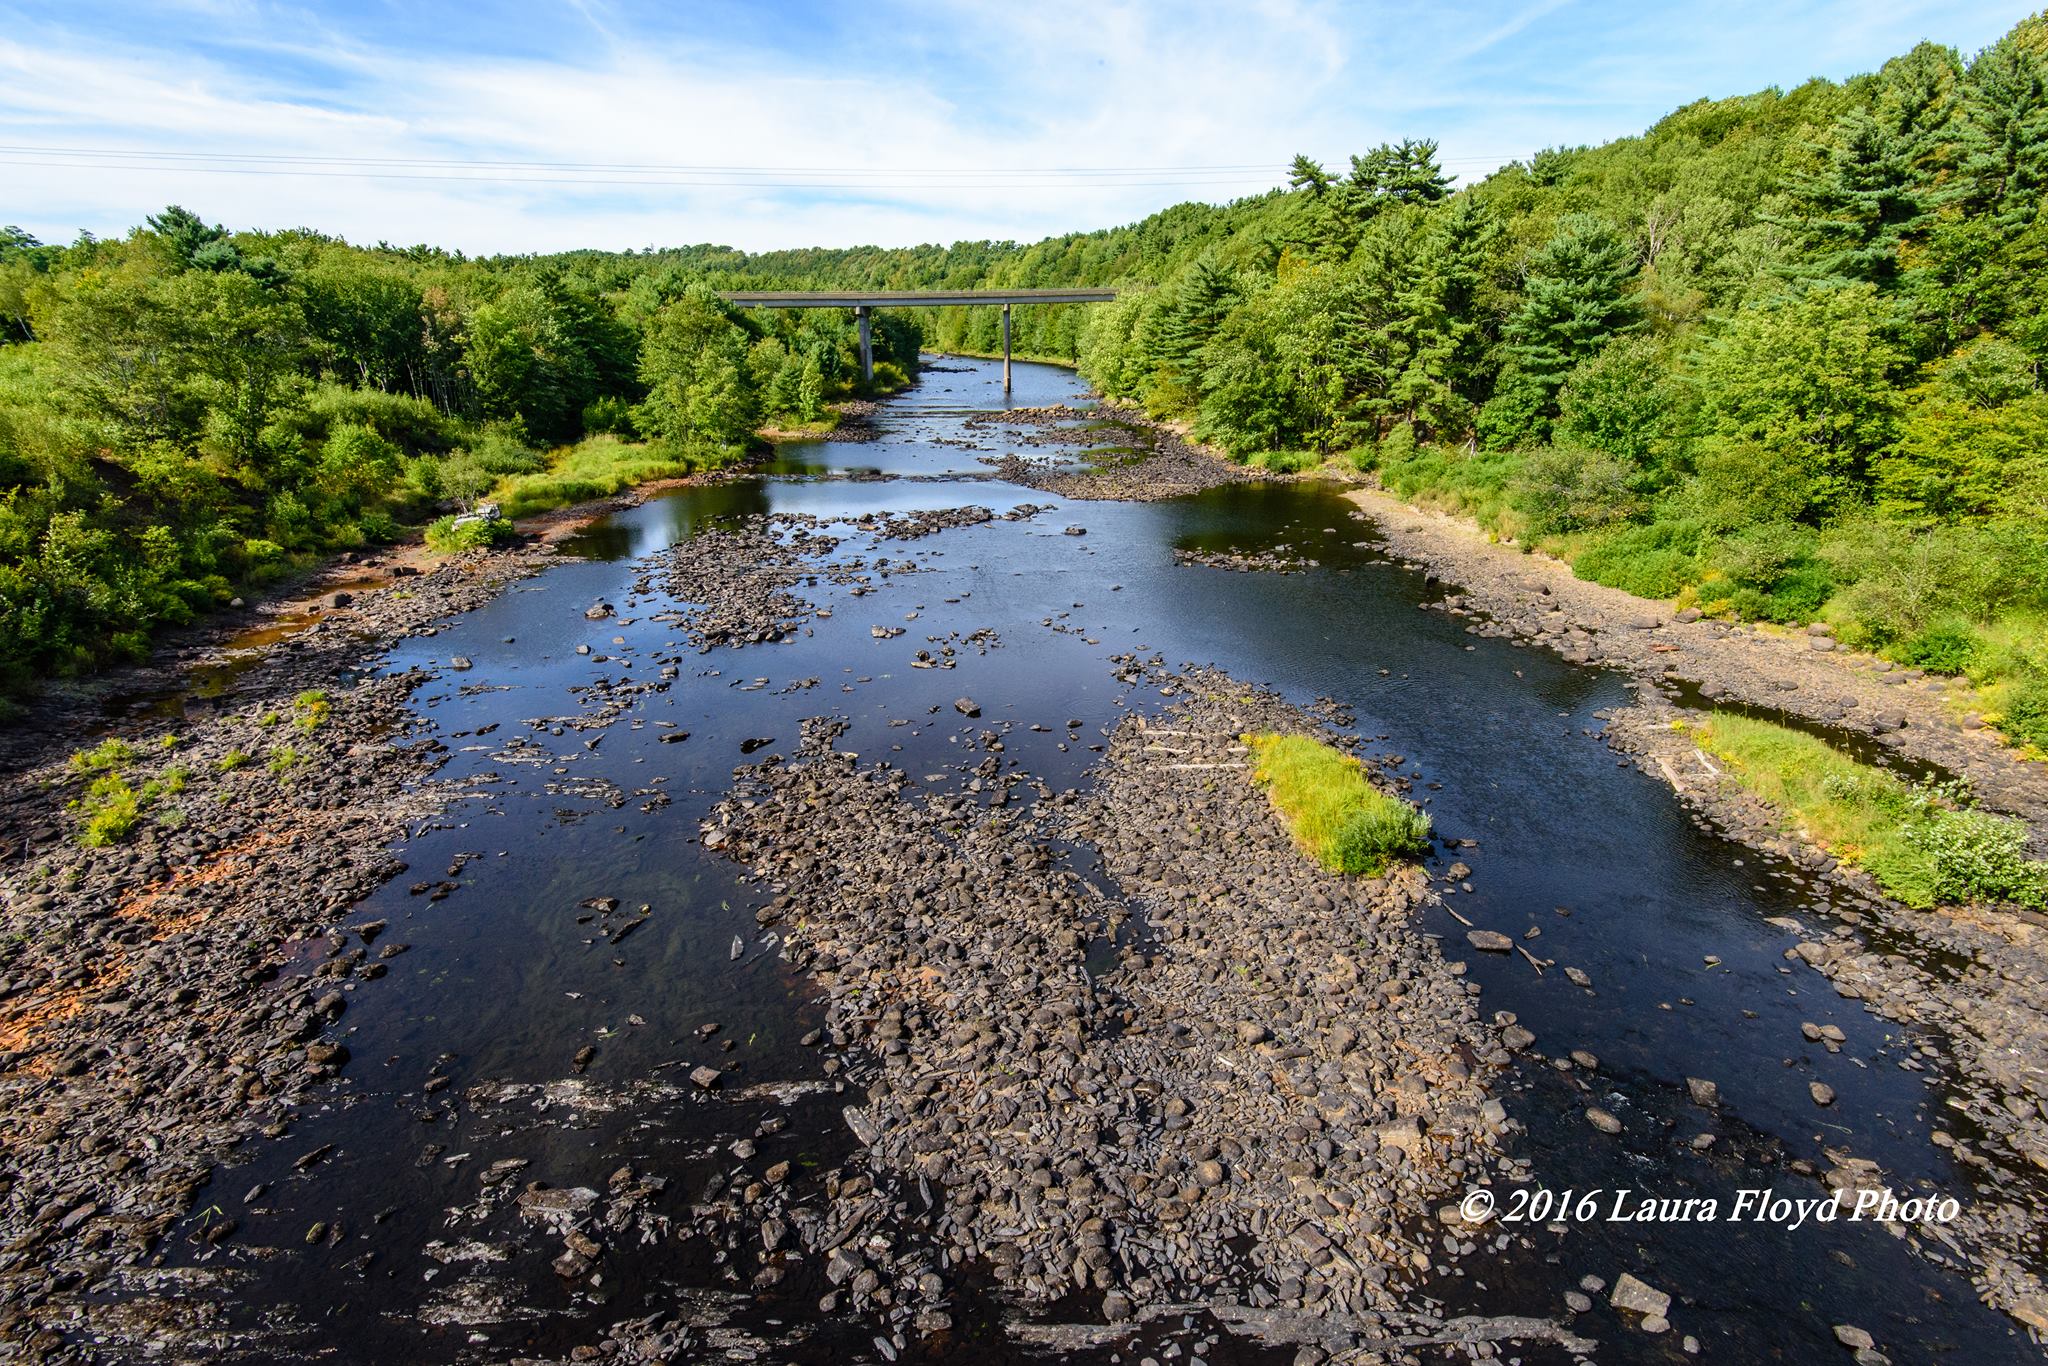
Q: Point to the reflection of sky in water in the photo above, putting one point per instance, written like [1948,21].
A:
[502,980]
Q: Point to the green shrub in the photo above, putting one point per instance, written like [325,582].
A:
[1773,572]
[1977,856]
[1947,647]
[610,416]
[1334,812]
[1654,561]
[2026,712]
[1575,488]
[1284,462]
[1369,839]
[449,538]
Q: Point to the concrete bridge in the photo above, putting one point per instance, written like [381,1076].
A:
[861,301]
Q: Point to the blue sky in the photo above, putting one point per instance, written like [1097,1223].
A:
[615,124]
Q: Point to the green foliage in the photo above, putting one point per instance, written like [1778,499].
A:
[310,709]
[1654,561]
[451,535]
[108,755]
[1622,401]
[1577,292]
[1976,856]
[2026,711]
[191,412]
[1334,812]
[1772,571]
[1805,383]
[108,812]
[1947,647]
[1575,488]
[1925,845]
[596,467]
[694,366]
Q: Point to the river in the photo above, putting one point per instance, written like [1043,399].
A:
[465,1054]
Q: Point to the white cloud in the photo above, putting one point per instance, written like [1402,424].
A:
[926,84]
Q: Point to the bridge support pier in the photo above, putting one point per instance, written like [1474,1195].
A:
[867,344]
[1006,348]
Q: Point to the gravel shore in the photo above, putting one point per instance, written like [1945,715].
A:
[1256,1097]
[1537,598]
[166,998]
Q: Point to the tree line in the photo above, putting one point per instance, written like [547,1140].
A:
[190,411]
[1778,357]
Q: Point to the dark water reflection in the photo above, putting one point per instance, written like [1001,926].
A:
[503,984]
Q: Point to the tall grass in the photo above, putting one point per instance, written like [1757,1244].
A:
[1334,812]
[1925,845]
[598,467]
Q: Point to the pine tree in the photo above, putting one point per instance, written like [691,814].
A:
[1578,292]
[1201,299]
[2003,133]
[1879,186]
[1439,386]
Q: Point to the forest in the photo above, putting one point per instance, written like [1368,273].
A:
[1777,358]
[190,412]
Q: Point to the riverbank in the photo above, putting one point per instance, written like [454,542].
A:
[1529,596]
[170,996]
[1979,975]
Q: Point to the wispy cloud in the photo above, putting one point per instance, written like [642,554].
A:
[896,94]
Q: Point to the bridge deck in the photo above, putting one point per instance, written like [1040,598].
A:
[863,300]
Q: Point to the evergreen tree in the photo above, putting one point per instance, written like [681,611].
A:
[1202,298]
[1577,292]
[1444,378]
[2003,132]
[1878,186]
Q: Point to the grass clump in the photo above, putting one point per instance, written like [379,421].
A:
[1334,811]
[1926,844]
[445,536]
[104,757]
[310,710]
[108,811]
[596,467]
[112,806]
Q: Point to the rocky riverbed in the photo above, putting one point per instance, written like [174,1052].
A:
[986,1014]
[1147,461]
[1258,1097]
[169,998]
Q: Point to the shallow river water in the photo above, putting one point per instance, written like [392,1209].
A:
[503,984]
